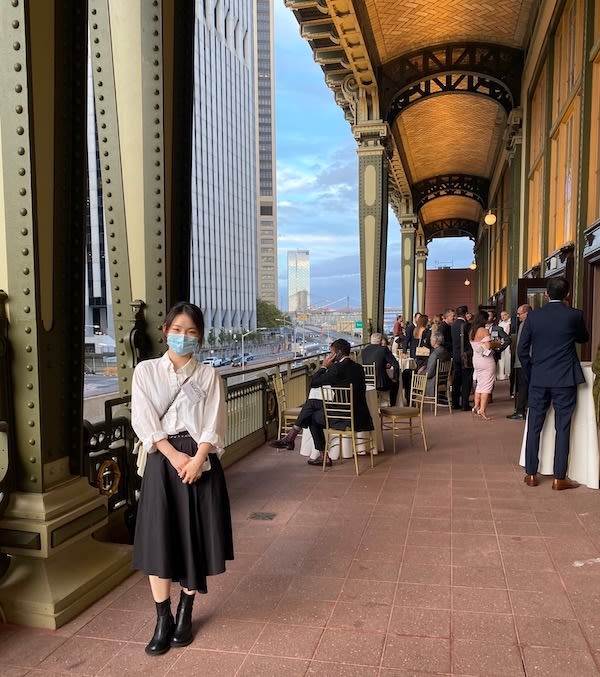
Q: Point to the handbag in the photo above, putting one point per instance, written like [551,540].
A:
[138,448]
[421,350]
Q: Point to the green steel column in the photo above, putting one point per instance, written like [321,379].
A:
[408,237]
[514,234]
[373,220]
[56,567]
[421,263]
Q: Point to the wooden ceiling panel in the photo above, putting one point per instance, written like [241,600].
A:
[451,207]
[450,134]
[398,26]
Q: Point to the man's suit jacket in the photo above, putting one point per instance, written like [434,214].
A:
[546,348]
[460,324]
[381,356]
[348,373]
[439,354]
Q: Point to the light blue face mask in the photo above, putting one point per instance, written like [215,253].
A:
[181,344]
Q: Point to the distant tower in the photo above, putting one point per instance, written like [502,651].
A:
[266,237]
[298,279]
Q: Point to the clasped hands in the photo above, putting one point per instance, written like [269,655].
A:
[189,468]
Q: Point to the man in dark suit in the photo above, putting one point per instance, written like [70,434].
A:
[548,356]
[381,357]
[337,369]
[520,377]
[462,381]
[446,328]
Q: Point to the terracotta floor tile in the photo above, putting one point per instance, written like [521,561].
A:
[417,653]
[287,640]
[374,569]
[425,573]
[226,634]
[132,660]
[426,555]
[420,622]
[541,604]
[545,662]
[474,657]
[82,656]
[480,600]
[423,595]
[327,669]
[300,611]
[373,592]
[268,666]
[470,526]
[371,616]
[423,524]
[479,577]
[350,646]
[429,538]
[482,626]
[21,647]
[558,633]
[117,624]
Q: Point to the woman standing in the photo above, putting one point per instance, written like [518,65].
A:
[183,528]
[504,357]
[483,362]
[418,348]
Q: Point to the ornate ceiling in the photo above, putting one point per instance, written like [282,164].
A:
[447,81]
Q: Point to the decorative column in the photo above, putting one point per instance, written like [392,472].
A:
[373,220]
[408,232]
[56,568]
[421,259]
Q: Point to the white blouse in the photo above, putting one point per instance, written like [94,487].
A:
[199,408]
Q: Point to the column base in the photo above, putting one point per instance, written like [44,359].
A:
[47,593]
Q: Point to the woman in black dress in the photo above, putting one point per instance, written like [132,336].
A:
[183,528]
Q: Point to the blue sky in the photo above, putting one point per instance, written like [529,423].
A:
[317,182]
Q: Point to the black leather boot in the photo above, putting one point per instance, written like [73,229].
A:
[159,644]
[182,636]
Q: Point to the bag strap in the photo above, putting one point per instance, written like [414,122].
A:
[176,394]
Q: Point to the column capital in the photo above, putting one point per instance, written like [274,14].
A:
[408,223]
[421,252]
[371,135]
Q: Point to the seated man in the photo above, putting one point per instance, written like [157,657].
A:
[338,369]
[382,357]
[438,354]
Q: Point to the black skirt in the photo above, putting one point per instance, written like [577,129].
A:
[183,531]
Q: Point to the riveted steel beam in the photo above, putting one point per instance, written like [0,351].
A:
[43,72]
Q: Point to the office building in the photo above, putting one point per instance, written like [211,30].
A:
[298,262]
[267,196]
[224,192]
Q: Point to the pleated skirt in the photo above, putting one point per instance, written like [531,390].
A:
[183,531]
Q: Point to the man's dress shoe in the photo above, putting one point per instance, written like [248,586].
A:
[319,461]
[566,483]
[283,444]
[516,417]
[531,480]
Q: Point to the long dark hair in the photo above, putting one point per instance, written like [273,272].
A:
[480,320]
[192,311]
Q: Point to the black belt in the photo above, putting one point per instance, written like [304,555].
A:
[183,433]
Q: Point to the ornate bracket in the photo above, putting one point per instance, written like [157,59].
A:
[473,187]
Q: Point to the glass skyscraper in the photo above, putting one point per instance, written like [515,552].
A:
[298,264]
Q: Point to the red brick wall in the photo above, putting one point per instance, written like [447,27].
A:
[445,288]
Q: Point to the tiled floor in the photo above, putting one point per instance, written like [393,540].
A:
[432,563]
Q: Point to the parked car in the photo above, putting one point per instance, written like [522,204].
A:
[225,361]
[236,360]
[213,361]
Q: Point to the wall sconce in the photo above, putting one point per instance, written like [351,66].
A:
[489,218]
[467,282]
[473,265]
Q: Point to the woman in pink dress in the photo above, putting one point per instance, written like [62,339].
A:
[483,362]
